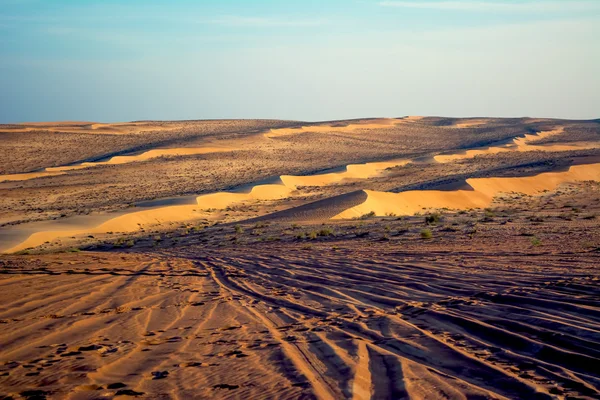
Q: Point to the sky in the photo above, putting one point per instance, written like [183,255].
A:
[310,60]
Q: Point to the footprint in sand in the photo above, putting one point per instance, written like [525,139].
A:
[128,392]
[225,386]
[159,374]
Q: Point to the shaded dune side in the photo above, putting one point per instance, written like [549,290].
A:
[318,211]
[484,190]
[352,171]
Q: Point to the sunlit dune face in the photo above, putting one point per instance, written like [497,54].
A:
[484,190]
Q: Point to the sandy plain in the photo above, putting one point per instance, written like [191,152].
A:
[380,258]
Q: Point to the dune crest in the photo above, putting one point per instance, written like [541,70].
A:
[484,190]
[518,144]
[116,128]
[372,124]
[352,171]
[134,221]
[117,160]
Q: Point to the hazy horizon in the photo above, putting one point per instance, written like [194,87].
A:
[297,60]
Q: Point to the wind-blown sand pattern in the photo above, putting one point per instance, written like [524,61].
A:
[275,322]
[484,190]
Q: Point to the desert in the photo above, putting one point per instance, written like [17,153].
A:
[300,200]
[448,258]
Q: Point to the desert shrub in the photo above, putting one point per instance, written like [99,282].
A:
[326,232]
[368,215]
[312,235]
[74,250]
[426,234]
[432,219]
[239,229]
[301,236]
[535,241]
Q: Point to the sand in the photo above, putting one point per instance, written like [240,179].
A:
[350,127]
[519,144]
[352,171]
[367,320]
[484,190]
[225,298]
[118,128]
[118,160]
[380,203]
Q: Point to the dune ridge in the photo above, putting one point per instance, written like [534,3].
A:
[133,221]
[484,190]
[115,128]
[372,124]
[352,171]
[519,144]
[117,160]
[380,202]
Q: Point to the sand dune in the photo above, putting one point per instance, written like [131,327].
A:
[117,160]
[134,221]
[519,144]
[381,203]
[118,128]
[352,171]
[470,123]
[362,125]
[484,190]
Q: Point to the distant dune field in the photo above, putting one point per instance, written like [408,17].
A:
[400,258]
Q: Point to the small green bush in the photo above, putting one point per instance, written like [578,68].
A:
[426,234]
[368,215]
[326,232]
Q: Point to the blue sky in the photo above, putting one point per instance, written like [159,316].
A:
[306,60]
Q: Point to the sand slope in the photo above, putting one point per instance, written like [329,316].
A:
[484,190]
[117,128]
[352,171]
[380,123]
[161,216]
[117,160]
[519,144]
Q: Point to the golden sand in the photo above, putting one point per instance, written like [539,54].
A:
[117,160]
[484,190]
